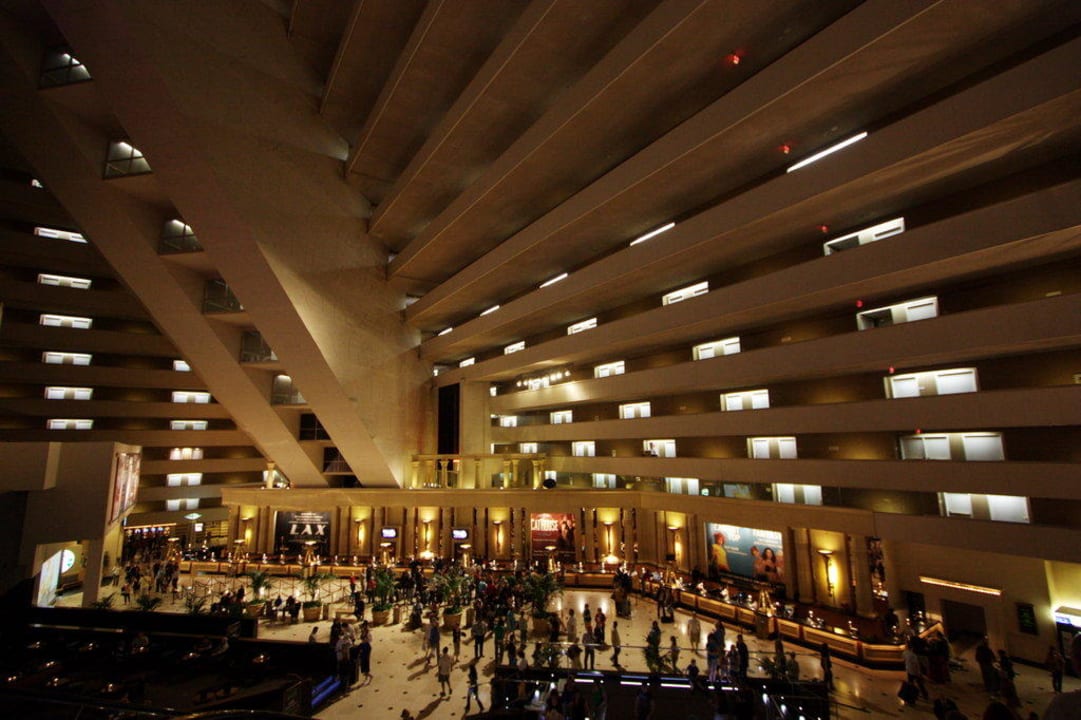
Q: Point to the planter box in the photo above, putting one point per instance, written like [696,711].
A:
[380,617]
[311,614]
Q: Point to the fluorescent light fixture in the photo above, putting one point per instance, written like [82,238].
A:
[652,233]
[444,331]
[489,311]
[960,586]
[828,151]
[553,281]
[467,362]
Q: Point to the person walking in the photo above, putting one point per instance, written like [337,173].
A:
[826,663]
[480,629]
[443,668]
[472,691]
[985,658]
[432,641]
[456,640]
[1056,665]
[617,643]
[673,654]
[364,655]
[744,655]
[590,645]
[694,632]
[499,632]
[598,701]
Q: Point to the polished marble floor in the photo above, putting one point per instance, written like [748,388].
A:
[403,680]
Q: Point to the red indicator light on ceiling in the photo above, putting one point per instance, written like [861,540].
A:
[919,432]
[859,303]
[733,58]
[823,229]
[891,370]
[786,148]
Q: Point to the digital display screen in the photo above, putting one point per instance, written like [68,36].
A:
[459,534]
[388,533]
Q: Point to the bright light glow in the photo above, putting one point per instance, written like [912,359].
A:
[828,151]
[65,321]
[64,281]
[187,424]
[652,234]
[444,331]
[467,362]
[960,586]
[181,366]
[68,235]
[581,326]
[63,392]
[69,424]
[514,347]
[56,357]
[553,281]
[489,311]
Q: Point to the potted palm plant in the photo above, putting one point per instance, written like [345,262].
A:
[260,583]
[540,589]
[453,589]
[384,596]
[312,608]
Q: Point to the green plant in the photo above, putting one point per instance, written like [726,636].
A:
[453,588]
[384,589]
[312,585]
[105,603]
[540,589]
[194,605]
[148,602]
[260,582]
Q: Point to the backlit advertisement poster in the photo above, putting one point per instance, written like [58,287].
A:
[753,553]
[552,534]
[297,530]
[125,484]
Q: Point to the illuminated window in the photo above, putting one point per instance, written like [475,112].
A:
[865,236]
[527,448]
[48,232]
[60,67]
[686,293]
[61,392]
[178,237]
[515,347]
[608,369]
[1000,508]
[935,382]
[175,504]
[508,421]
[606,481]
[190,396]
[56,357]
[582,326]
[909,311]
[183,479]
[64,281]
[559,417]
[968,446]
[628,411]
[65,321]
[778,447]
[584,448]
[181,366]
[705,351]
[186,453]
[69,424]
[681,486]
[187,424]
[797,494]
[659,448]
[745,400]
[121,159]
[467,362]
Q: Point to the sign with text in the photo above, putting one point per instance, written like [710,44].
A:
[753,553]
[552,535]
[295,529]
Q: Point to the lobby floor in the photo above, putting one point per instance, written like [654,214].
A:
[402,680]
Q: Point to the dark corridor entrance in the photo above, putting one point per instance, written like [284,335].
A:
[963,620]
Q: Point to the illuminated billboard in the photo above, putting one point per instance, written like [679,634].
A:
[552,535]
[753,553]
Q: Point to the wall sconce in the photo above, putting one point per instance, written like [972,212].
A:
[677,546]
[360,523]
[831,580]
[427,553]
[498,536]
